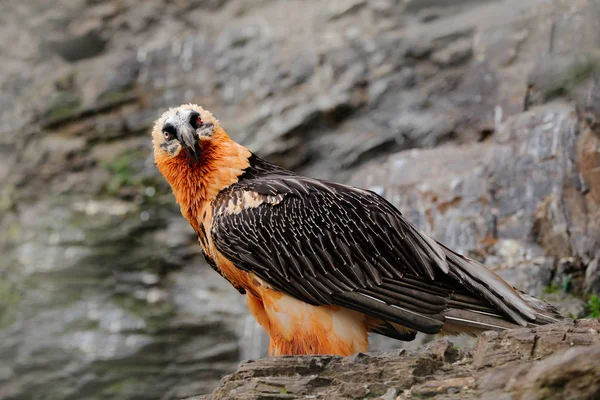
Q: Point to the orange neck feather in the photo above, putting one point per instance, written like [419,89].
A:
[196,184]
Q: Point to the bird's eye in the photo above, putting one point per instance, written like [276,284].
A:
[195,120]
[169,132]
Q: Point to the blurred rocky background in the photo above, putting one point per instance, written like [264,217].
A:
[479,119]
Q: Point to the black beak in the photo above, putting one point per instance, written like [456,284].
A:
[187,137]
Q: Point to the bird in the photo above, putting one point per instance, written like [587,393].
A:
[323,264]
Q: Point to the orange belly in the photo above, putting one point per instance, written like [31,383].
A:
[298,328]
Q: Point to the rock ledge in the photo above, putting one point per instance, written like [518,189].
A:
[504,365]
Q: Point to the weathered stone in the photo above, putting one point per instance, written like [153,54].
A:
[436,371]
[559,74]
[454,54]
[448,386]
[591,105]
[496,348]
[344,8]
[416,5]
[571,374]
[75,48]
[592,276]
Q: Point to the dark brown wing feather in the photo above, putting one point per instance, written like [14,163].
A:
[326,243]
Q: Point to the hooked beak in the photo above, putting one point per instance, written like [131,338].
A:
[188,138]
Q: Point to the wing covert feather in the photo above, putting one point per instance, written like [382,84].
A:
[327,243]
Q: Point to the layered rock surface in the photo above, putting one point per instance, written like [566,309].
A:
[478,119]
[560,361]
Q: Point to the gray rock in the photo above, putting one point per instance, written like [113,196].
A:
[592,276]
[522,362]
[417,5]
[454,54]
[75,48]
[344,8]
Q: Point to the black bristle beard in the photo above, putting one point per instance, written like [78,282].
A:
[193,157]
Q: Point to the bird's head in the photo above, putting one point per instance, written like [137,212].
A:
[185,131]
[195,155]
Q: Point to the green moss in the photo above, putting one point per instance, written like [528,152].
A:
[123,173]
[553,288]
[566,283]
[593,306]
[7,198]
[83,325]
[127,171]
[63,105]
[116,96]
[11,234]
[9,297]
[124,386]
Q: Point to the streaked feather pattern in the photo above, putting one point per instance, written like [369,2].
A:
[330,244]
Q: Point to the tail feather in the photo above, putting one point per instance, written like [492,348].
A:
[474,319]
[545,313]
[459,321]
[493,288]
[504,300]
[459,296]
[478,280]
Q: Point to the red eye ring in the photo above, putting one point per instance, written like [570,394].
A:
[199,120]
[167,135]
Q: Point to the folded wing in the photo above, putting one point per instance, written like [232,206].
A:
[326,243]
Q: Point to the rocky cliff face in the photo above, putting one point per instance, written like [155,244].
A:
[559,361]
[479,120]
